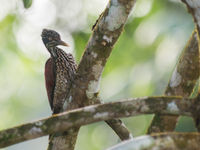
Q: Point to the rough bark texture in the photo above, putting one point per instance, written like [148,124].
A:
[63,140]
[186,73]
[194,8]
[182,83]
[82,116]
[105,34]
[196,117]
[164,141]
[120,129]
[86,84]
[117,125]
[84,91]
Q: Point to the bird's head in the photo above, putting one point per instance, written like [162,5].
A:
[51,39]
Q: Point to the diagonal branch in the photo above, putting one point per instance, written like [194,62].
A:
[105,34]
[164,141]
[186,74]
[85,87]
[82,116]
[182,83]
[194,8]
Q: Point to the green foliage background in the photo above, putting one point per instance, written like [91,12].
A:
[140,64]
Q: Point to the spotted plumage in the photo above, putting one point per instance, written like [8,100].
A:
[60,69]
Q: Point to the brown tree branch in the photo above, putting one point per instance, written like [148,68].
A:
[186,73]
[194,8]
[86,84]
[182,83]
[117,125]
[82,116]
[162,141]
[105,34]
[120,129]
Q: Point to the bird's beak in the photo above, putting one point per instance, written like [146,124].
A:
[63,43]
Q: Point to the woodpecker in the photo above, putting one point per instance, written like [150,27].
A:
[60,70]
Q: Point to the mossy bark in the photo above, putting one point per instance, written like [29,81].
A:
[86,84]
[82,116]
[193,7]
[164,141]
[182,83]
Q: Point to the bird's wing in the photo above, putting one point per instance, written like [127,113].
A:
[65,71]
[50,79]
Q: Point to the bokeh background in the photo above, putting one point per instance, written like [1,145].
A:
[140,64]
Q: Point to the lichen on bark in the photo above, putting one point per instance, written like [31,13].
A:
[182,83]
[165,141]
[106,32]
[73,119]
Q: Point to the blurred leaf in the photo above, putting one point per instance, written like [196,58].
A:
[133,69]
[27,3]
[80,40]
[185,124]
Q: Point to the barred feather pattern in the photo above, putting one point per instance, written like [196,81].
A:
[65,67]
